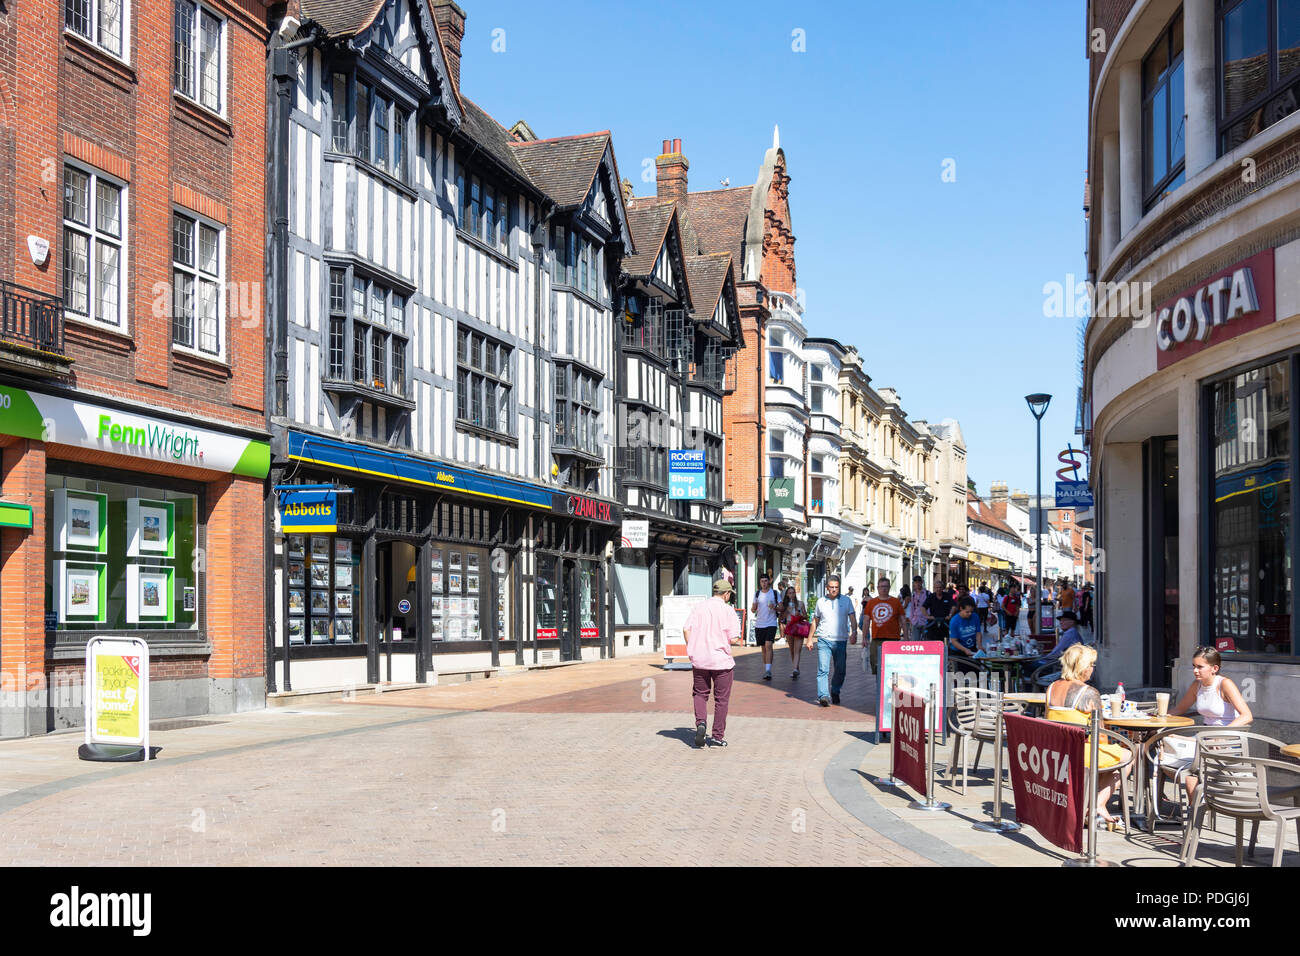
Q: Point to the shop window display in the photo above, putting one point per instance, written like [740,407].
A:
[323,589]
[121,556]
[1251,568]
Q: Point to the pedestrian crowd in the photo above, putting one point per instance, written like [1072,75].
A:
[950,613]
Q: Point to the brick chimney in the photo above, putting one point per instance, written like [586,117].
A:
[670,168]
[450,20]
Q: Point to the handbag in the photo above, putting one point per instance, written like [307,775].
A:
[798,626]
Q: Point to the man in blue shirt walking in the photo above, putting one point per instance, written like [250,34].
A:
[833,626]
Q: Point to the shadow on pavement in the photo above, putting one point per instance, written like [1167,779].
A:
[685,734]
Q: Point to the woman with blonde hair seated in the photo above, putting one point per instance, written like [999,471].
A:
[1070,701]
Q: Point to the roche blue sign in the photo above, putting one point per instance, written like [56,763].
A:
[1073,494]
[686,475]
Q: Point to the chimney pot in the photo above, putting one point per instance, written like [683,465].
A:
[677,146]
[671,172]
[666,145]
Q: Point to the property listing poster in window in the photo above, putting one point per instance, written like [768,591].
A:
[121,555]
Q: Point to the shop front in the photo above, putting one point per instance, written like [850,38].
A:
[1195,512]
[431,567]
[127,521]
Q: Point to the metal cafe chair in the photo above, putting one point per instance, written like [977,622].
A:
[973,717]
[1237,787]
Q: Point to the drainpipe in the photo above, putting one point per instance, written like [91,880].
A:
[539,245]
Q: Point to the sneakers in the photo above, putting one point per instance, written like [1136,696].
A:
[824,701]
[715,742]
[767,676]
[835,698]
[700,731]
[795,672]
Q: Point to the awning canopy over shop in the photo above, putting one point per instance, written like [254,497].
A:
[392,466]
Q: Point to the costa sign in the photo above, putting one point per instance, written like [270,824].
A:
[1237,300]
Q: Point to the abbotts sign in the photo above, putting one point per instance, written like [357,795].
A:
[1236,300]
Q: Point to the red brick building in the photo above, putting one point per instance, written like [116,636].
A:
[132,394]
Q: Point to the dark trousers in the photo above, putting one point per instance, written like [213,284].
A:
[720,682]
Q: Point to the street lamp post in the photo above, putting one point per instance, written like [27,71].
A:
[1038,403]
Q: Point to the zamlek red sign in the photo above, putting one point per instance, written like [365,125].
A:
[909,742]
[1047,776]
[1230,303]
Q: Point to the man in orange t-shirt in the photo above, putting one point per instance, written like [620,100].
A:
[885,614]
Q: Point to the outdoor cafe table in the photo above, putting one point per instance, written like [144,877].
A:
[1009,667]
[1034,700]
[1138,730]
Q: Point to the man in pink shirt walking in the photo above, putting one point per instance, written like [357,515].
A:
[710,630]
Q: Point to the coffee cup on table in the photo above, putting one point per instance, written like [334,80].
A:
[1162,705]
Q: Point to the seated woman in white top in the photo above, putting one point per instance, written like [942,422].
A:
[1217,699]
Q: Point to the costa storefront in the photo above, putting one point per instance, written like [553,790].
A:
[429,567]
[127,521]
[1194,448]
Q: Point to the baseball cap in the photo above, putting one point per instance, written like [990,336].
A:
[722,586]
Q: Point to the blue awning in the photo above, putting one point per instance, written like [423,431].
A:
[394,466]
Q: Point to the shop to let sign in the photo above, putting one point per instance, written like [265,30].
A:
[686,476]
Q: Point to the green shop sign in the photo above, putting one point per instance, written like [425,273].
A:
[780,493]
[65,422]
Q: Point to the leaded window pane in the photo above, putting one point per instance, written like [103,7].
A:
[108,274]
[377,305]
[381,131]
[76,16]
[183,309]
[108,208]
[338,300]
[358,298]
[339,112]
[397,314]
[76,196]
[210,61]
[183,240]
[110,25]
[209,299]
[183,47]
[358,353]
[363,121]
[76,272]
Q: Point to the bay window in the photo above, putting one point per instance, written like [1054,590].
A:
[484,382]
[371,318]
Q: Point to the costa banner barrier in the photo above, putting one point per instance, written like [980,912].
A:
[927,715]
[998,825]
[907,742]
[1047,777]
[891,780]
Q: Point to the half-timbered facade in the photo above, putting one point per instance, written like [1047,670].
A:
[680,325]
[442,350]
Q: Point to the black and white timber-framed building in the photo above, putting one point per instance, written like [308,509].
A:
[679,327]
[442,346]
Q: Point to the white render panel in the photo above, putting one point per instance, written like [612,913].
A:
[299,353]
[312,297]
[363,215]
[339,174]
[314,410]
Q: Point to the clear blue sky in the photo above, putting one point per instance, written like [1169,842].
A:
[938,284]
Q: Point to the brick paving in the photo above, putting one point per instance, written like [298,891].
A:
[496,771]
[591,764]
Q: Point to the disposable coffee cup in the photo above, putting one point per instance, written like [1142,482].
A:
[1162,705]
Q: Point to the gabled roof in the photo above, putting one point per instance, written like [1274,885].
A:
[564,167]
[707,275]
[718,217]
[982,512]
[493,138]
[648,221]
[343,18]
